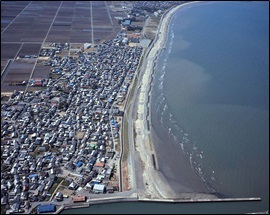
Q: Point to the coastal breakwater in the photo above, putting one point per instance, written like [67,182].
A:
[128,199]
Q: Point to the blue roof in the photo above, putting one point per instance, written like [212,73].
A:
[46,208]
[33,175]
[79,164]
[127,22]
[48,157]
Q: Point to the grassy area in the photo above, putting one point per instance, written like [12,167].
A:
[32,89]
[117,146]
[65,183]
[3,209]
[55,184]
[54,76]
[154,20]
[54,149]
[125,140]
[151,28]
[79,135]
[4,98]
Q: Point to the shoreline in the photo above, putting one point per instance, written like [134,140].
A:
[156,183]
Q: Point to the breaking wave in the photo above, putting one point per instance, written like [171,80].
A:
[178,134]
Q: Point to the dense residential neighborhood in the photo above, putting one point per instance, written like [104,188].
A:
[72,125]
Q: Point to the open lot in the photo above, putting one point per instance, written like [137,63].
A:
[26,25]
[18,71]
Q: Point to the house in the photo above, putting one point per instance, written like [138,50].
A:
[109,189]
[127,22]
[99,188]
[108,173]
[46,208]
[15,207]
[79,199]
[99,164]
[59,196]
[73,186]
[33,176]
[41,188]
[79,164]
[49,185]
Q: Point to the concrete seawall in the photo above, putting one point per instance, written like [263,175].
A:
[201,200]
[122,199]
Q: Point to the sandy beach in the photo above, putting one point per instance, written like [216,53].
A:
[171,176]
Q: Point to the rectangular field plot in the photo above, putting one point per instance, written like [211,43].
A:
[19,70]
[3,64]
[9,50]
[81,38]
[6,88]
[12,35]
[30,49]
[58,39]
[41,71]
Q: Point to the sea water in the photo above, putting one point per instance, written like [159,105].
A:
[211,93]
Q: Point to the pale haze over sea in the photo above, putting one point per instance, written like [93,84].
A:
[211,93]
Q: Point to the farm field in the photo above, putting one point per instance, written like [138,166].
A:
[27,25]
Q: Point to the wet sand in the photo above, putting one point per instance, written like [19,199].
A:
[173,164]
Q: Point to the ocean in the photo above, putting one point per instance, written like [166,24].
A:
[211,95]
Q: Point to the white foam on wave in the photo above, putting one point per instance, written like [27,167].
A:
[190,160]
[182,146]
[159,102]
[165,107]
[161,78]
[164,67]
[175,138]
[186,140]
[171,43]
[160,86]
[177,127]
